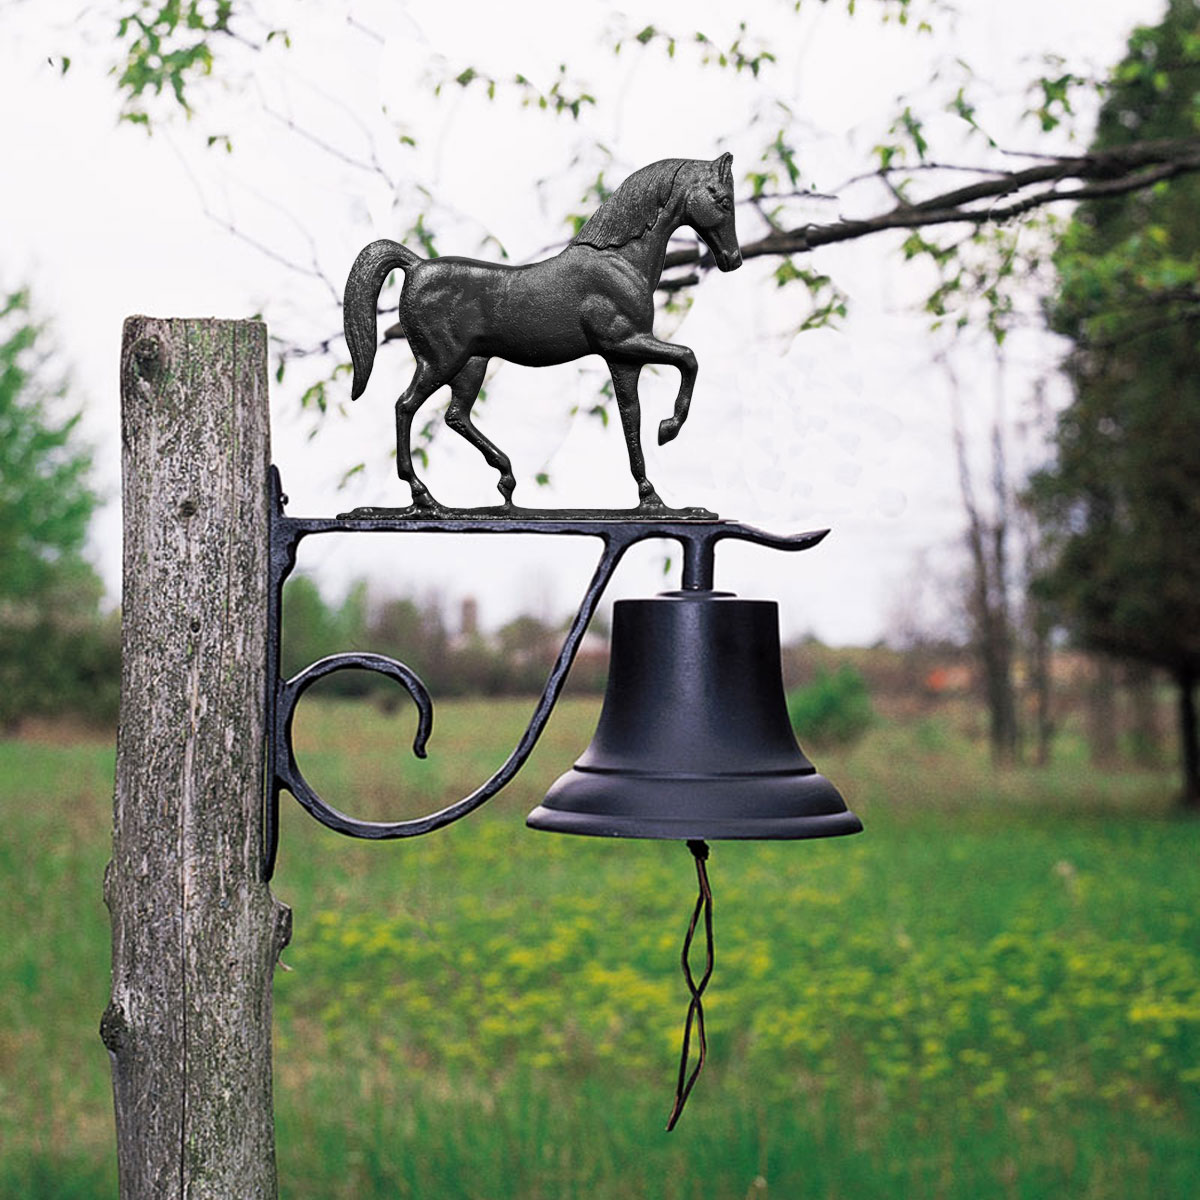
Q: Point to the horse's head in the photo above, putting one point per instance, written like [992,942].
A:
[710,211]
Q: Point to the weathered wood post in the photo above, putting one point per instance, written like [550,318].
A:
[196,932]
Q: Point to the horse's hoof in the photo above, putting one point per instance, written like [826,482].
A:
[506,487]
[667,430]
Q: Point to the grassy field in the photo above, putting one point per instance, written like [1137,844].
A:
[994,992]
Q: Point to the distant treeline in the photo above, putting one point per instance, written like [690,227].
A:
[62,657]
[59,655]
[447,650]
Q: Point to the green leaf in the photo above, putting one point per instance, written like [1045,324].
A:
[314,396]
[787,272]
[913,126]
[357,469]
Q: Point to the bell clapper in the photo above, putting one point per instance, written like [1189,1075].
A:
[695,1014]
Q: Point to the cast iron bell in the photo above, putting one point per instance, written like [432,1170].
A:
[694,740]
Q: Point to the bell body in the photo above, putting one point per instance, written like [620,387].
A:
[694,740]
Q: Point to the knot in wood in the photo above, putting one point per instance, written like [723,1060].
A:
[113,1028]
[148,357]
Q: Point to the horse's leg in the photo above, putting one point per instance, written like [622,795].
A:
[646,348]
[464,389]
[424,383]
[625,385]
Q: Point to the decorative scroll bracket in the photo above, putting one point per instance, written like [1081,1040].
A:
[697,536]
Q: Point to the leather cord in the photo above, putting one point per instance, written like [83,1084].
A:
[695,1014]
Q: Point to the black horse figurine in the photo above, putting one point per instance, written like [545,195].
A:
[596,297]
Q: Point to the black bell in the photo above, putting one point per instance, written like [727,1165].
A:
[694,740]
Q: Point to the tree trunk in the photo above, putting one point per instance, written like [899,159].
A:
[196,932]
[1189,739]
[1144,734]
[1102,712]
[1040,681]
[990,610]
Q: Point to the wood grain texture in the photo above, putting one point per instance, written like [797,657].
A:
[196,932]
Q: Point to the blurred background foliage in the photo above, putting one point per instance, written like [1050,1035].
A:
[58,651]
[1120,503]
[834,709]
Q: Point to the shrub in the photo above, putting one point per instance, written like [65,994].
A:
[834,710]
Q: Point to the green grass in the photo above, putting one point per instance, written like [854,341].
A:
[995,992]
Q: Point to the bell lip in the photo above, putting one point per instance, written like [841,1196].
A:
[796,828]
[721,800]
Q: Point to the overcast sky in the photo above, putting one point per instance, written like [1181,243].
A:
[847,429]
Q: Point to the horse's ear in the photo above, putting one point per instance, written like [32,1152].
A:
[724,166]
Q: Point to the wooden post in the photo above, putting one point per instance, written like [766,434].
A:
[196,932]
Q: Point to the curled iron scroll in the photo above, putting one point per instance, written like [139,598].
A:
[288,775]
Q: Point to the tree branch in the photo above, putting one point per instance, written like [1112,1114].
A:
[1105,174]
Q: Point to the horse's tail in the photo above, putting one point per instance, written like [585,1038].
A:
[363,285]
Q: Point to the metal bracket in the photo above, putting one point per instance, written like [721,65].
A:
[696,532]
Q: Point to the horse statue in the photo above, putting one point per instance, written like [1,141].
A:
[595,297]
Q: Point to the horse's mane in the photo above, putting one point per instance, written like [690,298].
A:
[633,208]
